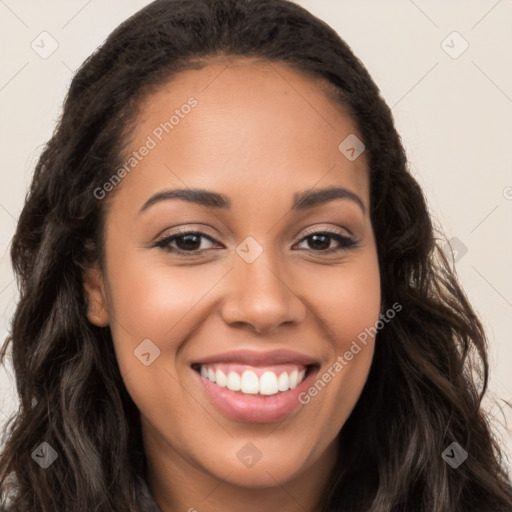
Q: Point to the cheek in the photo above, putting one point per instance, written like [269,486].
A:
[151,300]
[347,305]
[154,308]
[348,299]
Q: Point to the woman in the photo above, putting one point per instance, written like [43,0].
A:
[232,296]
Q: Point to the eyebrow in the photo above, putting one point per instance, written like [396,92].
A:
[302,200]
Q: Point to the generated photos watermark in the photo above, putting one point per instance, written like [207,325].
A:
[152,140]
[343,360]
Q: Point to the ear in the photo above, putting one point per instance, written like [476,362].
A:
[94,289]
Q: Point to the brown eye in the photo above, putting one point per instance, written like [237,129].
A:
[186,242]
[321,242]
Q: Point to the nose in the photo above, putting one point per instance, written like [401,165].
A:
[259,295]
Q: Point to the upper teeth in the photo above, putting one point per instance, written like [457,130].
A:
[269,383]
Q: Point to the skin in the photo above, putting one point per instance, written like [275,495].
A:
[260,133]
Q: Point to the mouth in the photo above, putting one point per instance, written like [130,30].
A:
[258,388]
[252,380]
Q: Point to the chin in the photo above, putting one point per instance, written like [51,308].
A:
[264,473]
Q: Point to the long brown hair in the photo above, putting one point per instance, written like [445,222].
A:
[430,368]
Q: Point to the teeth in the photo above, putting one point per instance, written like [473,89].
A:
[283,382]
[269,383]
[250,383]
[220,378]
[234,381]
[293,379]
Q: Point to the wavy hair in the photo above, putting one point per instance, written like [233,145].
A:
[430,368]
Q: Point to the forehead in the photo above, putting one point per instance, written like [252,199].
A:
[254,125]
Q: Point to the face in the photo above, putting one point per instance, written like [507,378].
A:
[260,282]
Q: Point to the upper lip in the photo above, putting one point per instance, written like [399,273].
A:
[253,358]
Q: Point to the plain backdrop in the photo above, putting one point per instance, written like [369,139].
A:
[443,67]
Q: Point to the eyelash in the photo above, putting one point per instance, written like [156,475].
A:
[345,242]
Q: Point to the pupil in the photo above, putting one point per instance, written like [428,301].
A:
[188,242]
[191,242]
[319,246]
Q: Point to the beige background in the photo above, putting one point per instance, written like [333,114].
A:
[454,116]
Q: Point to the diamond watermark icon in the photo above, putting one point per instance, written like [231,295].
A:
[44,455]
[146,352]
[351,147]
[249,454]
[454,248]
[249,250]
[454,455]
[454,45]
[45,45]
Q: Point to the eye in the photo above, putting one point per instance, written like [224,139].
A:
[320,242]
[191,243]
[188,242]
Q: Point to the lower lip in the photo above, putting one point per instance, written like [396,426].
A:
[256,408]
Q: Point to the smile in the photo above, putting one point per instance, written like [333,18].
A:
[251,386]
[254,380]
